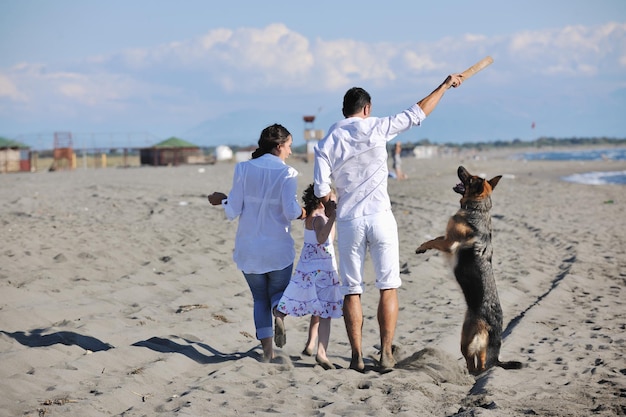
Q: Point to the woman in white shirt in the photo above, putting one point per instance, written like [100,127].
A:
[264,196]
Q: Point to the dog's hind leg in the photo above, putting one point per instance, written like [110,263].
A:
[469,360]
[474,341]
[481,358]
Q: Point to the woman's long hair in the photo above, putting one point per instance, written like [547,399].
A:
[270,138]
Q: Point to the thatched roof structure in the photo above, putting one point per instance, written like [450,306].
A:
[172,151]
[174,142]
[12,144]
[14,156]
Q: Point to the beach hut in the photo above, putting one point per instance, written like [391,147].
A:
[244,154]
[223,153]
[14,156]
[425,151]
[172,151]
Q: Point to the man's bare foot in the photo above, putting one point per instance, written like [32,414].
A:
[357,362]
[387,361]
[324,363]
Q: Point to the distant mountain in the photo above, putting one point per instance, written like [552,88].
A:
[242,128]
[454,121]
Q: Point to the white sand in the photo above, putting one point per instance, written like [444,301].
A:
[95,264]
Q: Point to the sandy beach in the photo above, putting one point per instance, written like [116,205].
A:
[119,297]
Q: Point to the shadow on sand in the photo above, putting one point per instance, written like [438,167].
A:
[36,338]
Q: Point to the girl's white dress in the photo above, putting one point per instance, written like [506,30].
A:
[314,287]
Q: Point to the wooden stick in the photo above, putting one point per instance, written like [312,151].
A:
[479,66]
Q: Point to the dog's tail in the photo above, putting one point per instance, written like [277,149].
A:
[509,364]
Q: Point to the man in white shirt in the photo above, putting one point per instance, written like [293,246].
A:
[353,156]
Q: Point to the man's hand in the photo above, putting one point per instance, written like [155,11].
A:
[330,209]
[428,103]
[453,81]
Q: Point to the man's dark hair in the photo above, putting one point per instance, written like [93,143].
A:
[354,100]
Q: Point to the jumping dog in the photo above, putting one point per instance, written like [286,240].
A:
[467,244]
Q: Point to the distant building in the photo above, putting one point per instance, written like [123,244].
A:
[244,154]
[14,156]
[312,136]
[172,151]
[223,153]
[425,151]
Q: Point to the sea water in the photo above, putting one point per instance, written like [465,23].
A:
[593,178]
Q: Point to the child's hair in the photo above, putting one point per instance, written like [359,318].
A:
[311,201]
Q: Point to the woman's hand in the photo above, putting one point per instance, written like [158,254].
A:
[216,198]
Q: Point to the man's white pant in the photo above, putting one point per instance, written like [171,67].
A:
[377,233]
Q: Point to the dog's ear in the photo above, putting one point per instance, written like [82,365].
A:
[494,181]
[463,174]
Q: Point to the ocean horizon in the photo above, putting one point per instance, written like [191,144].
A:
[590,178]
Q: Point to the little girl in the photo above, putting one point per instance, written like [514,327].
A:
[315,287]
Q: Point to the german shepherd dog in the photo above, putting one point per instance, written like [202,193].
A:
[467,244]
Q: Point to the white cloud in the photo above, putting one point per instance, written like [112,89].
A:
[242,59]
[73,90]
[9,90]
[187,77]
[420,62]
[276,58]
[341,63]
[86,96]
[136,58]
[106,90]
[572,50]
[215,37]
[474,38]
[273,56]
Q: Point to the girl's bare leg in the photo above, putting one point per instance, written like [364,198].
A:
[309,348]
[324,337]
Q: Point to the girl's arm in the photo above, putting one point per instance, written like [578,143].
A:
[323,229]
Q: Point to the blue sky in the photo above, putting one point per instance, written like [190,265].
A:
[130,73]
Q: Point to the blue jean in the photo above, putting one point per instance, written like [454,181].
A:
[267,289]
